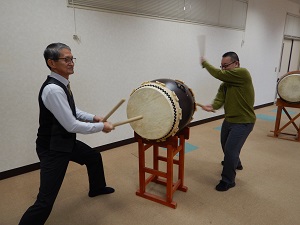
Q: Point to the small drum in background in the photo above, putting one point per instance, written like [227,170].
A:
[166,105]
[288,87]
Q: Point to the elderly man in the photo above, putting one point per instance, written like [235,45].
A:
[56,143]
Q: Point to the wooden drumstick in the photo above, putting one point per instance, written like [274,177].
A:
[113,110]
[198,104]
[128,121]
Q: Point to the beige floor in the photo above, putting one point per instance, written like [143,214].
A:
[267,190]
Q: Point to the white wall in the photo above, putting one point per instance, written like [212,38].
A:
[116,54]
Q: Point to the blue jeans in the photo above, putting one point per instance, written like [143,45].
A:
[233,137]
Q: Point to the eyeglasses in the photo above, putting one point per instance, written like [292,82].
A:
[69,60]
[226,65]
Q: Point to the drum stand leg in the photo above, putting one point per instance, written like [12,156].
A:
[174,145]
[278,131]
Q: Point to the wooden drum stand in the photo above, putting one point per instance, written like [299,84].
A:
[278,131]
[174,145]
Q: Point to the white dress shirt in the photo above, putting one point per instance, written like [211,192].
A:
[55,100]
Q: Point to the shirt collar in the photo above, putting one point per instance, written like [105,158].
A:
[59,78]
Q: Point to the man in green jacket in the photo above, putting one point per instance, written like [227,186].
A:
[236,94]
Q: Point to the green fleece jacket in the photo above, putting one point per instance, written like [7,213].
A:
[236,93]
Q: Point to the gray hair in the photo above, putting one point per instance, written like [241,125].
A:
[53,51]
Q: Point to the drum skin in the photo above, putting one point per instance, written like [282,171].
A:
[288,87]
[166,105]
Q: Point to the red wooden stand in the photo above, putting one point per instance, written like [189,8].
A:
[173,145]
[278,131]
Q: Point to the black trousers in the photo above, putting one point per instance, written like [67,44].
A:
[233,137]
[53,167]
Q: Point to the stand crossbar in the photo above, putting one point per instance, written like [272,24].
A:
[278,130]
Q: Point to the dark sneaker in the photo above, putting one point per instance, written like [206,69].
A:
[223,186]
[101,191]
[240,167]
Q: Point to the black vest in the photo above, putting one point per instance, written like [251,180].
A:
[51,134]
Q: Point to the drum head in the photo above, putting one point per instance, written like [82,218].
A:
[288,88]
[159,111]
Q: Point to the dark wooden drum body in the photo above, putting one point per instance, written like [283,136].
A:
[288,87]
[166,105]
